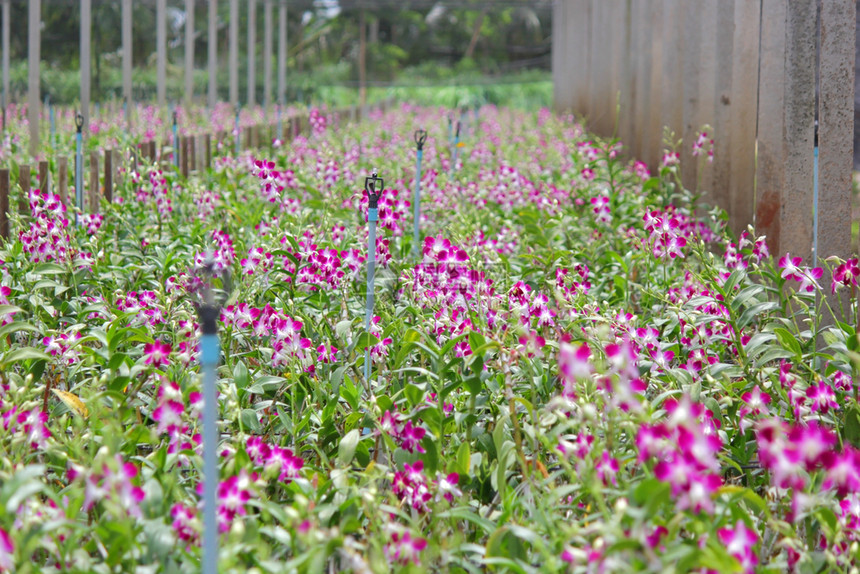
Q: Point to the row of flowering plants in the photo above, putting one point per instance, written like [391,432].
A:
[581,370]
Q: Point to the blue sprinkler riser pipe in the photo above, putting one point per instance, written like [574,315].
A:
[209,351]
[79,176]
[416,234]
[372,218]
[815,209]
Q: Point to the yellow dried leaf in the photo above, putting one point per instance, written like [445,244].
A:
[461,144]
[73,402]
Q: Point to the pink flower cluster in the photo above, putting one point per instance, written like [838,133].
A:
[113,484]
[170,414]
[413,487]
[806,276]
[92,222]
[274,459]
[407,436]
[233,497]
[47,238]
[143,307]
[285,332]
[7,552]
[404,549]
[845,275]
[62,347]
[258,260]
[666,240]
[27,425]
[686,447]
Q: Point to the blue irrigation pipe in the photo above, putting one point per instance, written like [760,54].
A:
[815,208]
[175,140]
[456,149]
[420,138]
[374,186]
[79,168]
[209,355]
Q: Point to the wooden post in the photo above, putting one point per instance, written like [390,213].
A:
[744,112]
[267,55]
[189,52]
[86,59]
[183,156]
[252,53]
[24,184]
[673,110]
[213,53]
[44,177]
[725,25]
[192,153]
[282,52]
[707,83]
[109,173]
[63,179]
[632,128]
[836,139]
[95,192]
[126,61]
[34,57]
[233,64]
[207,144]
[770,172]
[4,203]
[799,131]
[690,62]
[161,51]
[152,151]
[5,41]
[653,127]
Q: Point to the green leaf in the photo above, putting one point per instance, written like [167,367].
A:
[788,341]
[464,457]
[414,394]
[851,426]
[24,354]
[346,449]
[756,310]
[241,377]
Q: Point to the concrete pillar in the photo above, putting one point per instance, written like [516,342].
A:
[34,56]
[725,28]
[836,136]
[267,54]
[86,59]
[126,60]
[5,42]
[282,53]
[189,53]
[161,51]
[690,66]
[234,52]
[213,53]
[744,113]
[252,53]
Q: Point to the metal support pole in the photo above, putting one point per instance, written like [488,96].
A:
[233,64]
[238,133]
